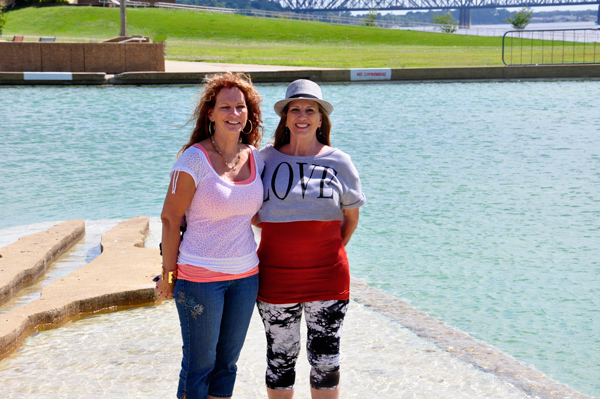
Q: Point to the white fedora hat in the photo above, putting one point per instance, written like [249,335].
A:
[303,89]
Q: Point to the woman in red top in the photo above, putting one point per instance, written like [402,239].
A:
[310,210]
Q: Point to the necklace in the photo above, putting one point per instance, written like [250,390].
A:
[237,159]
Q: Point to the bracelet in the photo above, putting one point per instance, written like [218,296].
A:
[172,276]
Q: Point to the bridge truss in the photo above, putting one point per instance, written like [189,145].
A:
[363,5]
[464,6]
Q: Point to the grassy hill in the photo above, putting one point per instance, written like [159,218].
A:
[195,36]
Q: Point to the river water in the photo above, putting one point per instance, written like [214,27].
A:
[501,29]
[483,198]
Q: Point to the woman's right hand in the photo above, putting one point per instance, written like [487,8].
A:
[164,289]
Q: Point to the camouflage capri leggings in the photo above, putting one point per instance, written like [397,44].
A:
[324,321]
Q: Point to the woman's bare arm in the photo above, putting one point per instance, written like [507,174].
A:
[349,224]
[173,210]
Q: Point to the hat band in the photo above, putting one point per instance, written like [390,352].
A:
[304,96]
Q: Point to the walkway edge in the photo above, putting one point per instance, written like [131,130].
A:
[271,75]
[53,78]
[398,74]
[23,261]
[120,276]
[461,345]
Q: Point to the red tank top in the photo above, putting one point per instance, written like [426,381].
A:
[302,262]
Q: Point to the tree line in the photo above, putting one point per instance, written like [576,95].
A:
[479,16]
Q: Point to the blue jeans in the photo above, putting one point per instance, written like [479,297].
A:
[214,320]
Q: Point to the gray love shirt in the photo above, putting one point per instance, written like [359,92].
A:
[301,188]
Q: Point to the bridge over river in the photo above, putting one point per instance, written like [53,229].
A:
[464,6]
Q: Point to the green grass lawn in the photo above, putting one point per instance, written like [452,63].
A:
[207,37]
[349,55]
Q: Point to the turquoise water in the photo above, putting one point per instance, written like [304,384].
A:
[483,198]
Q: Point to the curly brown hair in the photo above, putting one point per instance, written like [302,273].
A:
[281,137]
[213,84]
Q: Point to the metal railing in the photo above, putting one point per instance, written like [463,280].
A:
[551,47]
[190,7]
[137,4]
[128,3]
[109,2]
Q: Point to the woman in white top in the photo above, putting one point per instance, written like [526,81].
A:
[212,272]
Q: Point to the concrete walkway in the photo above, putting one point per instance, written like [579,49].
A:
[208,67]
[21,263]
[120,276]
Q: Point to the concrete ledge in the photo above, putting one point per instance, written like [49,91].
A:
[398,74]
[22,262]
[324,75]
[87,78]
[12,78]
[498,72]
[154,78]
[120,276]
[51,78]
[528,380]
[267,76]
